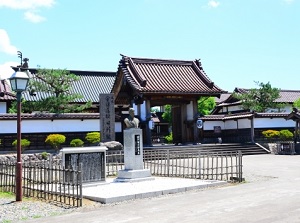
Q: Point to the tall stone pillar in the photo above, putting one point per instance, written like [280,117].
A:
[133,158]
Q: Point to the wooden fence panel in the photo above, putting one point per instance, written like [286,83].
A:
[44,181]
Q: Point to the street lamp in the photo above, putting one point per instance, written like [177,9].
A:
[18,83]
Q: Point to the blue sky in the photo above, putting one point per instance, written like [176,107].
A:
[238,41]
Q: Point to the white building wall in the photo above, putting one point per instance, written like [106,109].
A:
[234,108]
[286,109]
[273,123]
[209,125]
[246,123]
[189,111]
[143,114]
[2,107]
[62,125]
[230,124]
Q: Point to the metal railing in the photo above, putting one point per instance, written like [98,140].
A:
[224,166]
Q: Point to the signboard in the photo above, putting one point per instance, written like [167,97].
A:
[107,117]
[137,142]
[93,165]
[217,129]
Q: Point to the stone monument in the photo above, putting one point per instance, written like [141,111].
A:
[133,152]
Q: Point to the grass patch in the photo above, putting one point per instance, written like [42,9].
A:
[6,195]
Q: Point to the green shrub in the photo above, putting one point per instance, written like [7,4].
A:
[270,134]
[24,143]
[45,155]
[93,137]
[76,143]
[169,138]
[55,140]
[285,134]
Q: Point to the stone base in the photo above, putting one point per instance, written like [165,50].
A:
[134,175]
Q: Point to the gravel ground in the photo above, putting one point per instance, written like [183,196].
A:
[11,211]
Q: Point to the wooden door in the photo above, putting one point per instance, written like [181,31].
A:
[176,124]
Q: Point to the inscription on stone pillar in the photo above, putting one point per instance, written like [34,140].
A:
[137,141]
[107,117]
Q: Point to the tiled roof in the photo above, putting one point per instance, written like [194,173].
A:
[294,115]
[157,76]
[285,96]
[90,85]
[52,116]
[271,114]
[223,97]
[6,91]
[244,115]
[288,96]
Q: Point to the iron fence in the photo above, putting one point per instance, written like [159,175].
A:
[44,181]
[224,166]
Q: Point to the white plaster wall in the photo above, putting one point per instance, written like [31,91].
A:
[234,108]
[189,111]
[286,109]
[230,124]
[143,114]
[209,125]
[244,123]
[38,126]
[272,123]
[2,107]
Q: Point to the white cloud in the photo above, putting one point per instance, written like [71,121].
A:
[33,17]
[6,71]
[26,4]
[30,7]
[213,4]
[5,45]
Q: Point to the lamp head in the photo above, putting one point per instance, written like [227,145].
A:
[19,81]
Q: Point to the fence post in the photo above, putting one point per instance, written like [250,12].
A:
[168,162]
[199,164]
[240,166]
[79,177]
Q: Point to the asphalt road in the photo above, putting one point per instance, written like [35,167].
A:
[271,193]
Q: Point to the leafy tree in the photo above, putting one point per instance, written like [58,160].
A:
[260,99]
[57,87]
[206,105]
[296,104]
[167,115]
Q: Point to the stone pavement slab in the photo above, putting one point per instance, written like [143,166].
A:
[112,191]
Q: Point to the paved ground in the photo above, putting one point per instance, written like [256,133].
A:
[271,194]
[112,191]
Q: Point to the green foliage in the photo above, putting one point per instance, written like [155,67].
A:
[76,143]
[44,155]
[270,134]
[24,143]
[260,99]
[296,104]
[206,105]
[169,138]
[285,134]
[93,137]
[0,141]
[57,85]
[55,140]
[167,116]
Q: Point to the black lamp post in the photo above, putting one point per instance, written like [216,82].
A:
[18,82]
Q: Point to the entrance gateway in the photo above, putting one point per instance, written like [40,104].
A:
[143,83]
